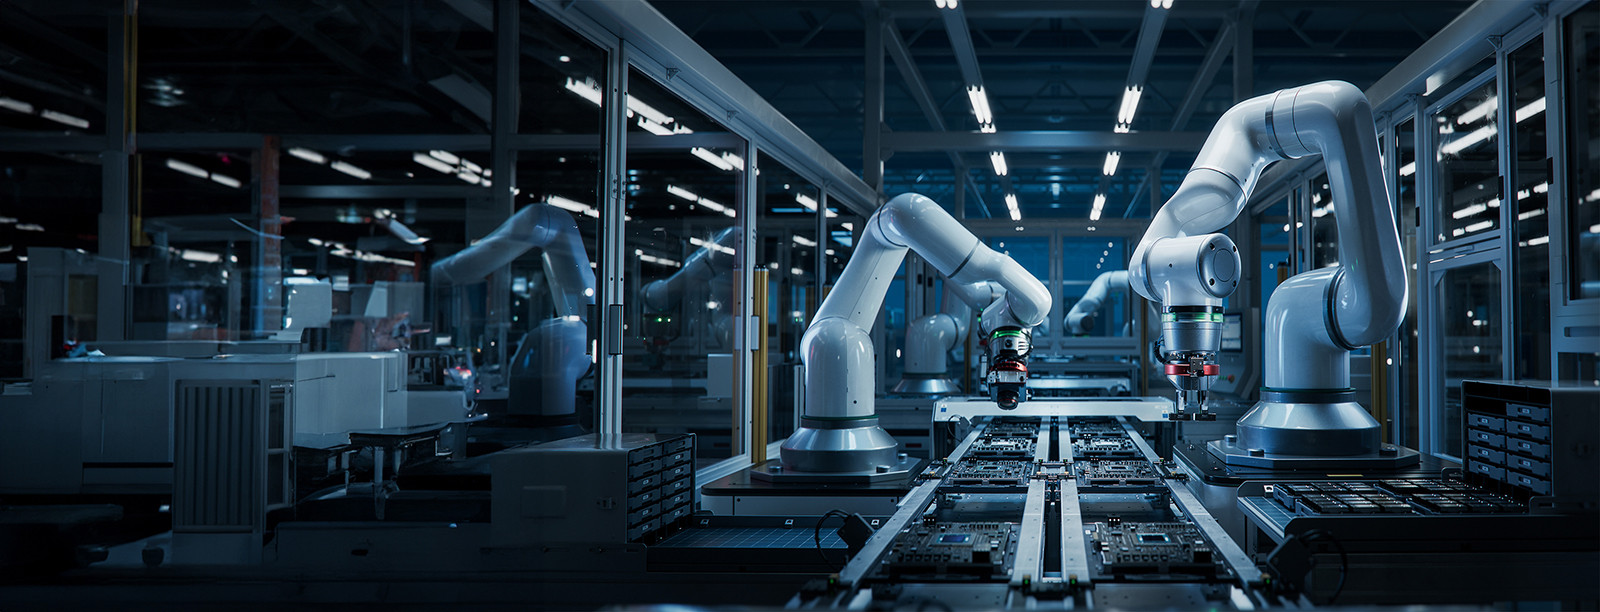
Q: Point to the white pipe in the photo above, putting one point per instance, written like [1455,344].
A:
[542,226]
[1368,290]
[1090,303]
[836,349]
[711,260]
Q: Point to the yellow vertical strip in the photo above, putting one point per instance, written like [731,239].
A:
[761,402]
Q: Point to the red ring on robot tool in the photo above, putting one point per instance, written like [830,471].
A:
[1182,369]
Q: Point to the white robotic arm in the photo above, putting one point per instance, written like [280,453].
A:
[839,431]
[542,226]
[1314,318]
[1081,317]
[551,358]
[930,338]
[711,260]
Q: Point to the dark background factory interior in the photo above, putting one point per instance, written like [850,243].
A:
[868,304]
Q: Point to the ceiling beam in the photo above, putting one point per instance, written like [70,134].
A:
[1048,141]
[918,87]
[1220,46]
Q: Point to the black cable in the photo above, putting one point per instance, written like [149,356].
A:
[816,536]
[1321,535]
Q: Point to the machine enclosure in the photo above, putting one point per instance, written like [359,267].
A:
[601,488]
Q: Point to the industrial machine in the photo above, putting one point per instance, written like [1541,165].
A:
[929,339]
[553,355]
[839,433]
[1307,416]
[1081,317]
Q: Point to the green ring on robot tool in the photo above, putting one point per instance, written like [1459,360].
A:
[842,418]
[1204,317]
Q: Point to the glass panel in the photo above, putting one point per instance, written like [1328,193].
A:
[350,69]
[1468,185]
[1530,182]
[1410,368]
[47,201]
[562,77]
[1273,238]
[680,368]
[1033,253]
[786,223]
[197,279]
[1324,232]
[1083,261]
[1583,165]
[843,227]
[1468,309]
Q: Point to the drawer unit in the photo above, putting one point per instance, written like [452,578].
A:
[599,489]
[1533,439]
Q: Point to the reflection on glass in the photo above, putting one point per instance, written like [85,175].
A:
[680,370]
[1033,253]
[1273,239]
[1468,183]
[564,73]
[1094,287]
[1531,182]
[1468,311]
[1324,230]
[843,227]
[787,224]
[1583,165]
[1410,367]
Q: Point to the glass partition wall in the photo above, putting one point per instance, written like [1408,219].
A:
[250,192]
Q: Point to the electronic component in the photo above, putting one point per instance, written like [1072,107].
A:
[992,473]
[1103,448]
[1116,474]
[1096,428]
[952,552]
[1129,549]
[1010,429]
[1425,496]
[1002,448]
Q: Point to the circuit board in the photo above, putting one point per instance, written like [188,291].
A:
[1132,549]
[1002,448]
[1010,429]
[1116,474]
[952,552]
[1103,448]
[990,473]
[1096,428]
[1424,496]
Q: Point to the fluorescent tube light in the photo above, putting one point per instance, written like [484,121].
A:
[1130,104]
[350,170]
[226,180]
[572,206]
[1110,167]
[980,104]
[682,193]
[998,160]
[586,90]
[187,168]
[711,158]
[806,201]
[804,241]
[16,105]
[308,155]
[431,162]
[65,119]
